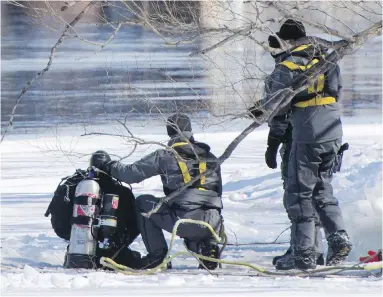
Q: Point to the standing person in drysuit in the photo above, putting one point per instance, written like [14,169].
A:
[200,201]
[316,134]
[279,134]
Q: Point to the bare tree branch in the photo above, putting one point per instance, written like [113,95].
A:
[38,75]
[280,100]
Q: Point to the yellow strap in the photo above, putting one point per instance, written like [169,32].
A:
[202,170]
[321,80]
[301,48]
[293,66]
[184,171]
[178,144]
[316,101]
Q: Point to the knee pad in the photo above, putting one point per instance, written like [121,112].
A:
[145,203]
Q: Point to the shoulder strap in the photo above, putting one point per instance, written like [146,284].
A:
[293,66]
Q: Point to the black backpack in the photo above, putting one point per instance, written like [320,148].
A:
[61,206]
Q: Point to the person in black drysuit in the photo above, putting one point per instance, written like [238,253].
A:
[200,201]
[274,140]
[61,209]
[316,140]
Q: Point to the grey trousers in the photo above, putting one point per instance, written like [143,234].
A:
[309,191]
[285,156]
[165,219]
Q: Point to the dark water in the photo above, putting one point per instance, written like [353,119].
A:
[135,74]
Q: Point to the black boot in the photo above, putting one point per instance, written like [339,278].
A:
[288,252]
[209,250]
[286,262]
[339,246]
[305,259]
[152,260]
[320,258]
[129,258]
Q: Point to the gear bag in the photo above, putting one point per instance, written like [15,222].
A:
[61,206]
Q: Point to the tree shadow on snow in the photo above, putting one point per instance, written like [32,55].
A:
[240,184]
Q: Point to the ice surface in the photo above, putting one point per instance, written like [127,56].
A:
[32,165]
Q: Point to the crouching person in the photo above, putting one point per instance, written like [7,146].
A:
[87,247]
[200,201]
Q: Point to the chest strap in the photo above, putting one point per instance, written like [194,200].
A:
[316,102]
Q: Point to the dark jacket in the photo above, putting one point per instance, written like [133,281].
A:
[202,194]
[313,124]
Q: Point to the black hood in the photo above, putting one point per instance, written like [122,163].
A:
[187,150]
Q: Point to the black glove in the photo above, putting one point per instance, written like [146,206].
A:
[273,143]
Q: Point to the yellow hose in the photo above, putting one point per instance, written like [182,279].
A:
[262,271]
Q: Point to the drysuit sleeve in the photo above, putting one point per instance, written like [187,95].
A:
[334,83]
[279,79]
[279,126]
[145,168]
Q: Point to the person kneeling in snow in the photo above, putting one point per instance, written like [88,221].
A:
[185,160]
[61,210]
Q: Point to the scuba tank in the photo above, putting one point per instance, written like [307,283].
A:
[94,220]
[108,221]
[94,224]
[82,247]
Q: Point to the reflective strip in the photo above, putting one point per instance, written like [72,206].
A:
[184,171]
[179,144]
[182,165]
[202,169]
[293,66]
[301,48]
[316,101]
[311,89]
[321,80]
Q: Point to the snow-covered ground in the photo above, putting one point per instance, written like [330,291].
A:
[31,254]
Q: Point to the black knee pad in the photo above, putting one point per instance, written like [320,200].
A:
[145,203]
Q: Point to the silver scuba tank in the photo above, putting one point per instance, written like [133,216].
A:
[82,247]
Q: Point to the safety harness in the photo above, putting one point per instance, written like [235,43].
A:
[187,176]
[314,95]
